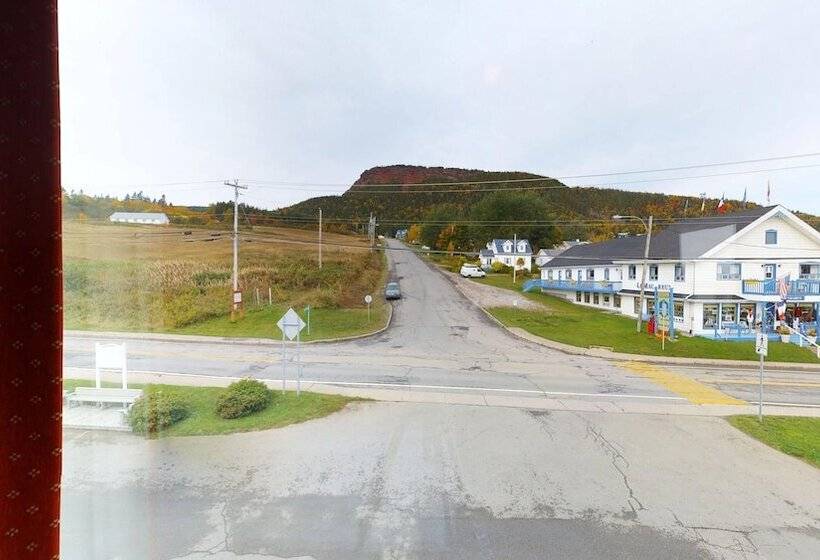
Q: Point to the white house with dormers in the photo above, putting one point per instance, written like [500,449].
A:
[509,252]
[726,272]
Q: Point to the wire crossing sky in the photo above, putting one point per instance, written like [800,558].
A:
[182,95]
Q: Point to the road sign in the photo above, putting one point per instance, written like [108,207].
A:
[237,297]
[290,324]
[762,344]
[368,299]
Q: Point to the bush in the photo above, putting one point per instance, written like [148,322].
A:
[500,268]
[156,411]
[243,398]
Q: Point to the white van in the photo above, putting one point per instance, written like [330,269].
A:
[472,271]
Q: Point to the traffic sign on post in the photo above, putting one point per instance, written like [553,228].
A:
[762,344]
[368,299]
[290,324]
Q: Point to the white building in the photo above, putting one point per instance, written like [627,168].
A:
[508,252]
[139,218]
[725,271]
[543,256]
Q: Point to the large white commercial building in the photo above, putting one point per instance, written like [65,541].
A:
[727,272]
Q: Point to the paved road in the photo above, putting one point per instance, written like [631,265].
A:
[440,339]
[427,481]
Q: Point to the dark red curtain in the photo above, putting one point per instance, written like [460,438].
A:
[30,281]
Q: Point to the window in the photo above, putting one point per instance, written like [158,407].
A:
[771,237]
[653,272]
[616,301]
[769,271]
[549,275]
[680,274]
[605,299]
[632,272]
[586,297]
[590,274]
[507,260]
[678,311]
[636,308]
[728,271]
[568,274]
[595,298]
[747,314]
[559,274]
[710,315]
[580,275]
[578,297]
[728,312]
[606,274]
[809,271]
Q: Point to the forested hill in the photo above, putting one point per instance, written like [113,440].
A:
[400,206]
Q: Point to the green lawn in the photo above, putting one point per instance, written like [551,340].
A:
[324,323]
[577,325]
[202,420]
[796,436]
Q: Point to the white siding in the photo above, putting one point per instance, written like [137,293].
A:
[791,242]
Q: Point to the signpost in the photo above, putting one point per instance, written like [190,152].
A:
[368,299]
[762,349]
[291,325]
[664,308]
[307,313]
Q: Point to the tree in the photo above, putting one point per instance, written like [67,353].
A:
[414,233]
[494,216]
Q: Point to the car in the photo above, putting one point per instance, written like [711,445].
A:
[472,271]
[392,291]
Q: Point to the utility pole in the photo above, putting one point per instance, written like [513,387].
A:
[515,250]
[320,240]
[236,301]
[643,272]
[371,232]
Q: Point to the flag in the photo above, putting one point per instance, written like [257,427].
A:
[744,197]
[768,192]
[783,287]
[721,207]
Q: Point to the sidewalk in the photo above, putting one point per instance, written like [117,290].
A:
[534,400]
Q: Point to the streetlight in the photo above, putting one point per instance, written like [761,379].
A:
[648,228]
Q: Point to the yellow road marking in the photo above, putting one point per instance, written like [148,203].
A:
[688,388]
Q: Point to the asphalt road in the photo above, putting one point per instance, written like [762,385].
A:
[439,339]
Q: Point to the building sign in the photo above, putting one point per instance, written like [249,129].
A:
[664,311]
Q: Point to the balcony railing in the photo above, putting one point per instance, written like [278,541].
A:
[581,285]
[798,289]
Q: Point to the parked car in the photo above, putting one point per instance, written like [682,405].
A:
[472,271]
[392,291]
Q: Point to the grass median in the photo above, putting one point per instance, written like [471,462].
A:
[577,325]
[796,436]
[202,419]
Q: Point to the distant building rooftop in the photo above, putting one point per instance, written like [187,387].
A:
[139,217]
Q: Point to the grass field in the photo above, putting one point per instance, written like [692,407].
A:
[577,325]
[169,279]
[202,420]
[794,435]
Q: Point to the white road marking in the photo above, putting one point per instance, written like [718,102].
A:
[409,386]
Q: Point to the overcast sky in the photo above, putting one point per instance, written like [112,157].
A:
[164,91]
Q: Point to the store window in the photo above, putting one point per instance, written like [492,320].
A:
[606,300]
[678,311]
[595,298]
[616,301]
[710,315]
[728,312]
[578,297]
[747,314]
[586,297]
[636,306]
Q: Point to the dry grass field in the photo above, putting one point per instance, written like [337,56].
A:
[166,278]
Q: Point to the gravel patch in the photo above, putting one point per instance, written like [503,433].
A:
[487,296]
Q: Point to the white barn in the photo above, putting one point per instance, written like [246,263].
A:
[155,218]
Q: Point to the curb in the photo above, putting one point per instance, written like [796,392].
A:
[203,339]
[609,355]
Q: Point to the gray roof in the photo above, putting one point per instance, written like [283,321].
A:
[138,216]
[499,247]
[485,253]
[684,239]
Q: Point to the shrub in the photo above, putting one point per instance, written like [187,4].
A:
[499,267]
[243,398]
[156,411]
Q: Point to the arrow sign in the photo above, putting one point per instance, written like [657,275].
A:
[290,324]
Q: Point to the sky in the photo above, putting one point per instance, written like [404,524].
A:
[174,97]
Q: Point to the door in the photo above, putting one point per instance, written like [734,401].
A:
[769,271]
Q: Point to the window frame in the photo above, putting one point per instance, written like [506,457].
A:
[766,237]
[679,266]
[657,274]
[632,272]
[729,276]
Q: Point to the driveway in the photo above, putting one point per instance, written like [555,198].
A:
[426,481]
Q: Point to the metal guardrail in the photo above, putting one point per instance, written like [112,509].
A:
[802,340]
[582,285]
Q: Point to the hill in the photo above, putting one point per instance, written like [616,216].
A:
[386,192]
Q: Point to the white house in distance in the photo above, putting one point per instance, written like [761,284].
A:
[156,218]
[543,256]
[507,252]
[726,271]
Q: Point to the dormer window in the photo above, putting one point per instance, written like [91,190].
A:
[771,237]
[522,247]
[507,247]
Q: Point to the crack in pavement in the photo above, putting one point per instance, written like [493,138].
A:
[736,546]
